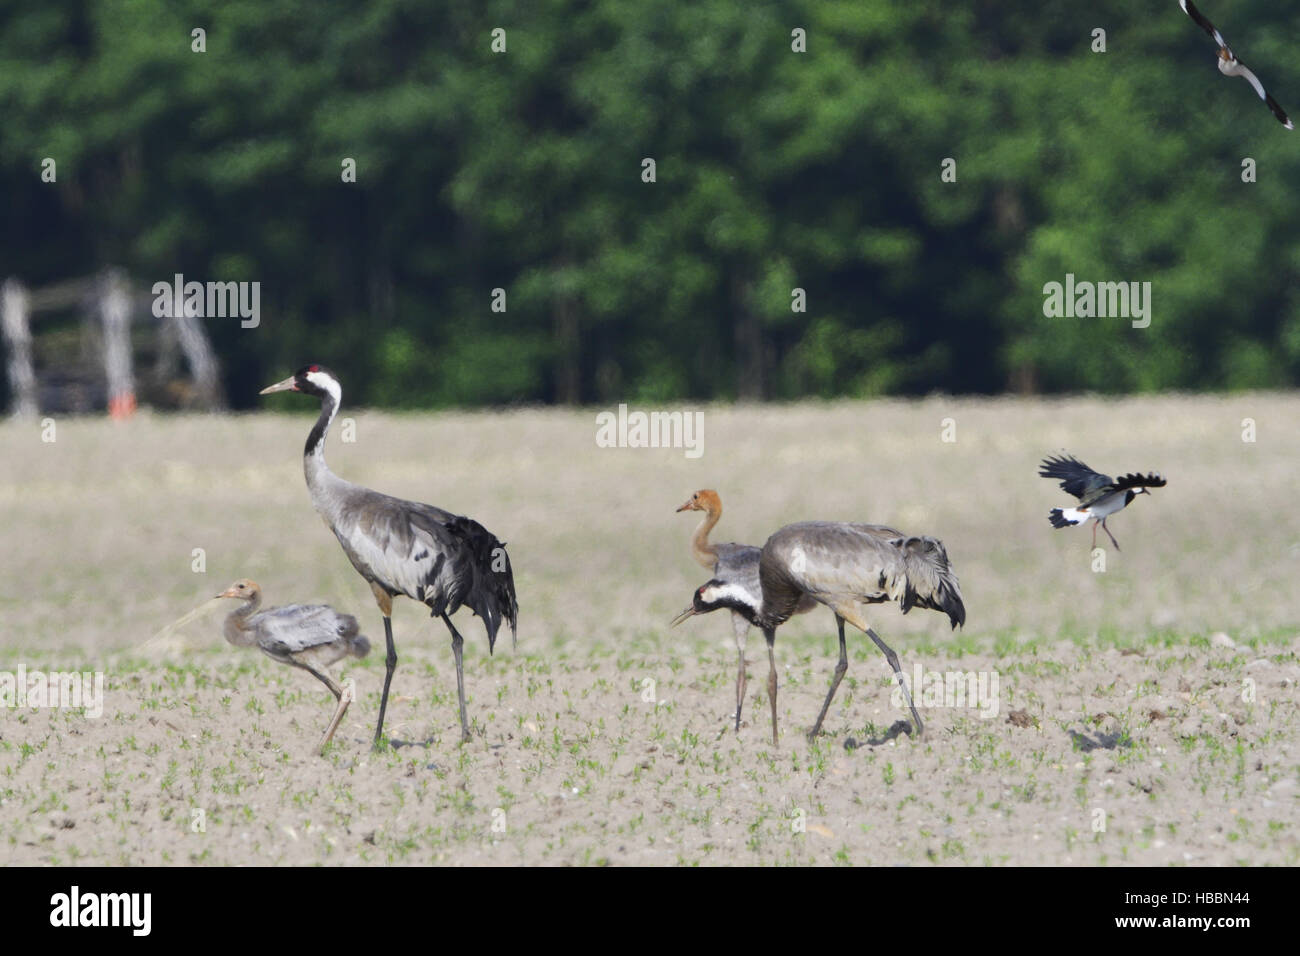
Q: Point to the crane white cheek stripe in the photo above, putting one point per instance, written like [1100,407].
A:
[328,384]
[732,592]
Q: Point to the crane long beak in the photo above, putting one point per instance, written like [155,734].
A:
[685,614]
[288,385]
[685,507]
[228,592]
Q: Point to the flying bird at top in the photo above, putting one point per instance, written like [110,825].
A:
[1100,496]
[1229,65]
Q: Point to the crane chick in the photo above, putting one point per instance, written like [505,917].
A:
[309,636]
[735,567]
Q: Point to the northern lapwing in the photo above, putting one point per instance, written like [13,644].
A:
[1100,496]
[1229,65]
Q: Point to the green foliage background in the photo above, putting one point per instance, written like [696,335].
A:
[775,170]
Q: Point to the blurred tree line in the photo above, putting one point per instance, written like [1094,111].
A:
[775,170]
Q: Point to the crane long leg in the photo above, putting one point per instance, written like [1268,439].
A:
[391,665]
[770,634]
[840,668]
[1108,534]
[348,695]
[1094,534]
[457,643]
[898,672]
[321,676]
[344,696]
[741,628]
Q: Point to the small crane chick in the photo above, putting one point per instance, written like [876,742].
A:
[308,636]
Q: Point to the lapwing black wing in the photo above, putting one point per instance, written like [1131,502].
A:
[1100,496]
[1229,65]
[1189,8]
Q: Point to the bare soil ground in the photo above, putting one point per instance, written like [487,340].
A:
[1145,714]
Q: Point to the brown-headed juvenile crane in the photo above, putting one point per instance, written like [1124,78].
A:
[310,636]
[733,565]
[846,567]
[400,547]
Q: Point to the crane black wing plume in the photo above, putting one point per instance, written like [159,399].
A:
[489,590]
[930,579]
[1077,479]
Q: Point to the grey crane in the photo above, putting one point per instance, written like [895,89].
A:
[844,566]
[442,560]
[1100,496]
[735,565]
[309,636]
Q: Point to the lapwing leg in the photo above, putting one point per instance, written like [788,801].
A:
[898,672]
[840,668]
[1094,533]
[457,644]
[1108,534]
[390,665]
[770,634]
[348,695]
[741,628]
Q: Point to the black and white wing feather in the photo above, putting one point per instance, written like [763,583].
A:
[1077,479]
[1253,80]
[1231,66]
[1189,8]
[1133,480]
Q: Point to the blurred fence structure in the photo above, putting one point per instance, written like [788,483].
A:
[117,324]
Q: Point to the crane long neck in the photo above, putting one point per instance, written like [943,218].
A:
[705,553]
[237,630]
[314,454]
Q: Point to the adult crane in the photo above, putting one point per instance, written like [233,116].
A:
[443,560]
[845,567]
[308,636]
